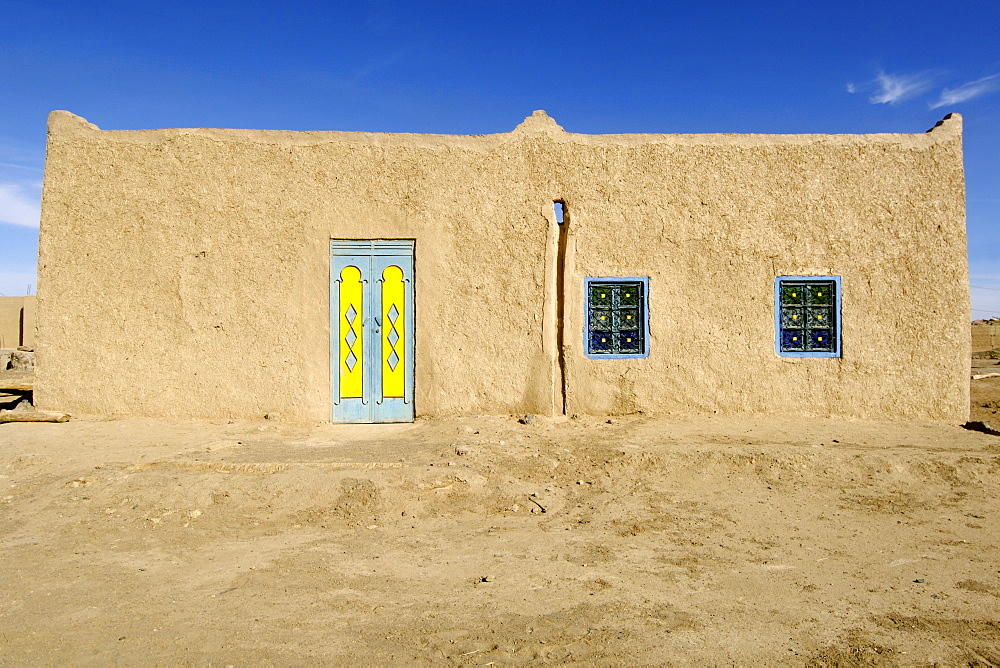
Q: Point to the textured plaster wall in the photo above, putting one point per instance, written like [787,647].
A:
[716,223]
[985,337]
[187,271]
[17,322]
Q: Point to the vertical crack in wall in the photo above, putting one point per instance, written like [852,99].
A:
[562,219]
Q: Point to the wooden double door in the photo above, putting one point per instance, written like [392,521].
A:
[371,330]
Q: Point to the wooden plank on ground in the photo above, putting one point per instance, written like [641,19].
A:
[32,416]
[15,385]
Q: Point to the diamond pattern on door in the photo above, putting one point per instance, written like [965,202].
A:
[393,305]
[351,345]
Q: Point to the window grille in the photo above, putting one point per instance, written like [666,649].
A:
[807,316]
[617,318]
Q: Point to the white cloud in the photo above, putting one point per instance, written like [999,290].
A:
[16,166]
[892,88]
[967,91]
[20,204]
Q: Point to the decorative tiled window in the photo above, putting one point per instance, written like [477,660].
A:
[807,316]
[616,316]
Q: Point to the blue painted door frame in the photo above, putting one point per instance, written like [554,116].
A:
[371,330]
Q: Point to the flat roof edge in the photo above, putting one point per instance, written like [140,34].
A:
[64,124]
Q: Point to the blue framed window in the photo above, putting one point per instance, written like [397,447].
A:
[807,316]
[617,318]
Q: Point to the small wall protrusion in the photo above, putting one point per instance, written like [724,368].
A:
[951,122]
[539,123]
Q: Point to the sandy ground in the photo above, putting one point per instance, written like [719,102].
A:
[646,540]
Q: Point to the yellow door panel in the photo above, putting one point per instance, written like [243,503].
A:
[352,359]
[393,332]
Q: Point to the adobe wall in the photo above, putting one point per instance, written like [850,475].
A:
[17,322]
[985,337]
[195,265]
[10,321]
[723,216]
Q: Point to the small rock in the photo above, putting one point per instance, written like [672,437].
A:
[462,451]
[21,360]
[920,580]
[272,416]
[527,419]
[485,578]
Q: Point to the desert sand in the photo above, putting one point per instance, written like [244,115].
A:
[640,539]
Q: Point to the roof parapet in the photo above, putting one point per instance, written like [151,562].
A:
[67,121]
[539,123]
[951,123]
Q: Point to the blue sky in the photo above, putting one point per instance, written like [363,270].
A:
[479,67]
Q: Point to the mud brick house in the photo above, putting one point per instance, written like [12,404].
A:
[17,322]
[352,276]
